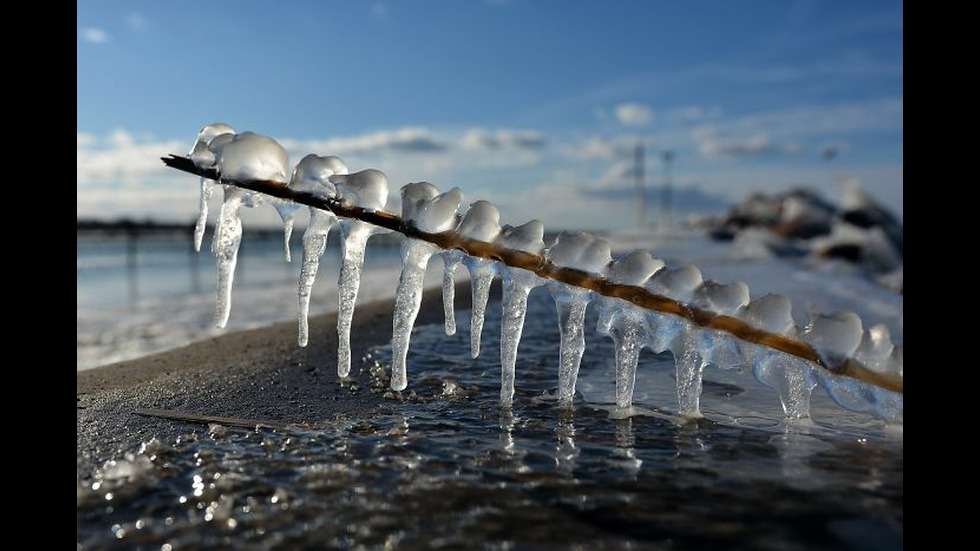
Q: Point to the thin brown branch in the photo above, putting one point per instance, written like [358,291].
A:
[544,268]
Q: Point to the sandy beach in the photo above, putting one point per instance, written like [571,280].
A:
[257,374]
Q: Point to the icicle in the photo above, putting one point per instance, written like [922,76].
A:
[792,378]
[367,189]
[227,239]
[430,212]
[481,222]
[450,261]
[624,322]
[203,157]
[287,211]
[672,333]
[588,253]
[517,285]
[207,187]
[312,174]
[245,157]
[314,245]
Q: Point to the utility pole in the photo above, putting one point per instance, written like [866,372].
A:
[639,155]
[667,191]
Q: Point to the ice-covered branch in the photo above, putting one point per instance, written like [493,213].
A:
[710,321]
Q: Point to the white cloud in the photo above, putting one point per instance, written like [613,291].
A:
[596,148]
[695,113]
[136,21]
[714,146]
[120,139]
[479,138]
[94,35]
[405,140]
[124,161]
[633,114]
[85,140]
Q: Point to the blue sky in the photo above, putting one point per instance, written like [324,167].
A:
[532,105]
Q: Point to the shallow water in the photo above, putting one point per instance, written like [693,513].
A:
[441,466]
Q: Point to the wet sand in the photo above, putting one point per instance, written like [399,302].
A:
[255,374]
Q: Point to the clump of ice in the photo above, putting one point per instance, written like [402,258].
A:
[835,339]
[528,237]
[676,283]
[311,175]
[200,154]
[722,299]
[772,313]
[367,189]
[635,268]
[429,211]
[834,336]
[517,285]
[250,156]
[582,251]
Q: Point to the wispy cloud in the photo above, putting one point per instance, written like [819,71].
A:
[714,146]
[480,138]
[633,114]
[405,140]
[85,139]
[94,35]
[597,148]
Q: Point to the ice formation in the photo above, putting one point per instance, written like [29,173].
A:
[791,378]
[625,323]
[836,338]
[312,175]
[315,169]
[245,157]
[203,157]
[517,285]
[429,211]
[482,223]
[367,189]
[585,252]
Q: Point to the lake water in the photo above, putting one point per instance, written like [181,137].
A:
[149,295]
[442,466]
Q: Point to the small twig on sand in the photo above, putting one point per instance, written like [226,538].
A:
[209,419]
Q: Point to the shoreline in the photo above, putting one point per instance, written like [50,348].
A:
[256,373]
